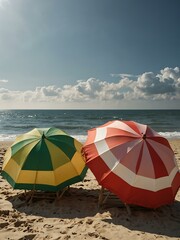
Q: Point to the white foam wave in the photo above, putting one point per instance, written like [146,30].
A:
[5,137]
[170,134]
[82,138]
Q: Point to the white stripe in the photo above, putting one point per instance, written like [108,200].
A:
[154,184]
[102,148]
[100,134]
[102,131]
[130,177]
[122,126]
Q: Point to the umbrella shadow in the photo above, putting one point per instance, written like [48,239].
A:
[75,203]
[162,221]
[81,203]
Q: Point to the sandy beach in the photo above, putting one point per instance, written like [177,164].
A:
[76,214]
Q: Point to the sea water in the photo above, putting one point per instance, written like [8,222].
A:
[77,122]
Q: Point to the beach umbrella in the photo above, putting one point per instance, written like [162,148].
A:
[44,159]
[134,162]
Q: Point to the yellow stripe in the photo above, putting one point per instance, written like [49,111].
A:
[65,173]
[39,177]
[78,162]
[58,157]
[53,178]
[22,138]
[13,169]
[78,145]
[7,156]
[35,133]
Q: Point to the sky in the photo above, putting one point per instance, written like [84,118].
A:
[81,54]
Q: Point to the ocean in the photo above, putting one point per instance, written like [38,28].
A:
[77,122]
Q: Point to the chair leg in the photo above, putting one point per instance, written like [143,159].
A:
[62,193]
[128,209]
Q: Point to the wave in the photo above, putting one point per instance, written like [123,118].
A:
[82,138]
[170,134]
[5,137]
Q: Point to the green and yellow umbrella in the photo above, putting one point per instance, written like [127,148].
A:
[44,159]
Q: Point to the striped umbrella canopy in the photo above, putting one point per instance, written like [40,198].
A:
[134,162]
[44,159]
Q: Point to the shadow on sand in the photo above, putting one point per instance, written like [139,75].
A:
[162,221]
[75,203]
[81,203]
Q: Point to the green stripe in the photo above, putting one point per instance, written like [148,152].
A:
[65,143]
[8,178]
[44,187]
[39,158]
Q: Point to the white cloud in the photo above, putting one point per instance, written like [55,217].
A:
[160,86]
[124,75]
[148,86]
[3,81]
[3,90]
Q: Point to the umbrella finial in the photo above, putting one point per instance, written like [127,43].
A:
[144,136]
[43,136]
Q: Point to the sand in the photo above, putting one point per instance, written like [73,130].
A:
[76,214]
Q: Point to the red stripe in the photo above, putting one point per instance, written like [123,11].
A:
[150,132]
[113,132]
[132,125]
[161,140]
[98,168]
[117,141]
[159,167]
[139,158]
[91,136]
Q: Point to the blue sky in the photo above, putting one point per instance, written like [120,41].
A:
[89,54]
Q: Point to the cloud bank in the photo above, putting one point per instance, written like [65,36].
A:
[149,86]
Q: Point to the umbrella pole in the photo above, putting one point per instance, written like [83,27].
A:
[103,200]
[33,191]
[100,200]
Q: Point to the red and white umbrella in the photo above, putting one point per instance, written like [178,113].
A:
[134,162]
